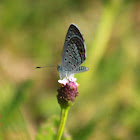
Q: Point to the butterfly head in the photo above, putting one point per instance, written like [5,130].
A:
[58,67]
[61,72]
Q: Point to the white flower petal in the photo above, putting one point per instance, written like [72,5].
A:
[71,78]
[65,80]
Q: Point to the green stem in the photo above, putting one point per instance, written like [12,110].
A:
[100,42]
[64,113]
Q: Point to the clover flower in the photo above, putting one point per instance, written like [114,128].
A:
[68,91]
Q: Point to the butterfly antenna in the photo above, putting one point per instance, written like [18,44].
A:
[46,66]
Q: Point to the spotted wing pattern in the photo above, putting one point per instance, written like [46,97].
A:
[80,69]
[74,54]
[73,30]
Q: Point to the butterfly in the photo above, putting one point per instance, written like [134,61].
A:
[74,53]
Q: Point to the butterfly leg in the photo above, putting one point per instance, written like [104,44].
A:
[67,76]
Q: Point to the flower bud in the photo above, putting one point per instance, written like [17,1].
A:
[67,92]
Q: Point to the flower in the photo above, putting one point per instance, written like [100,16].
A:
[67,79]
[68,91]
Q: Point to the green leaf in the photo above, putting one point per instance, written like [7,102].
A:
[48,130]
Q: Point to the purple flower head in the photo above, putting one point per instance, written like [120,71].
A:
[68,91]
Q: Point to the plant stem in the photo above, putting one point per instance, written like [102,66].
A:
[104,31]
[63,118]
[103,35]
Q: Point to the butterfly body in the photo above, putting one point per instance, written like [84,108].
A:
[74,53]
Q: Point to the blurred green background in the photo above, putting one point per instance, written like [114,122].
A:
[32,34]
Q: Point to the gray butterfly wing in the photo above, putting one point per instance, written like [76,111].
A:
[80,69]
[73,54]
[73,30]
